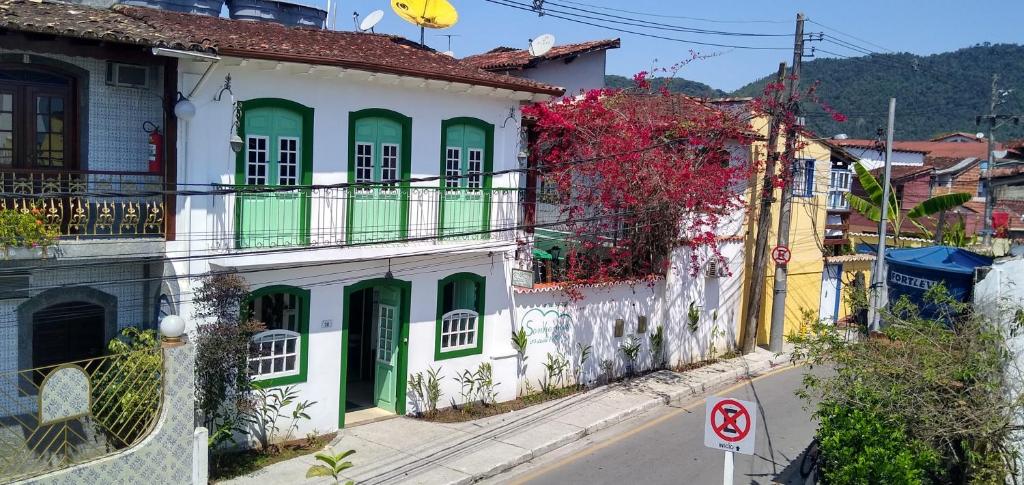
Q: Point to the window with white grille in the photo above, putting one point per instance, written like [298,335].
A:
[256,160]
[364,162]
[452,166]
[803,178]
[474,179]
[458,330]
[838,187]
[276,351]
[288,161]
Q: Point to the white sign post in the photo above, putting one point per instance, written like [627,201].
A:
[730,425]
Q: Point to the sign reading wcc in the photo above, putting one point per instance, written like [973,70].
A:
[730,425]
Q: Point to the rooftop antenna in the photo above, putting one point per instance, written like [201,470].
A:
[355,20]
[449,52]
[541,45]
[371,20]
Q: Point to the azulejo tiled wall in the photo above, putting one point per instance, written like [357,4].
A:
[165,456]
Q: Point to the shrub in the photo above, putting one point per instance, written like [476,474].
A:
[126,387]
[26,229]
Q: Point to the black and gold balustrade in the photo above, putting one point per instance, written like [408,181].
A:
[89,204]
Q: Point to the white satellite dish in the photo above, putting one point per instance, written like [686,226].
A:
[449,53]
[541,45]
[371,20]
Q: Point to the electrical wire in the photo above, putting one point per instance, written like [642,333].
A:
[657,15]
[657,25]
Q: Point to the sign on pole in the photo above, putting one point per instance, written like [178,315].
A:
[781,255]
[730,425]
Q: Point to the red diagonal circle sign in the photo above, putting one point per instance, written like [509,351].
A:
[735,420]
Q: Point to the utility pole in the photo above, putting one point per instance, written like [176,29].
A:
[876,298]
[993,101]
[786,206]
[764,216]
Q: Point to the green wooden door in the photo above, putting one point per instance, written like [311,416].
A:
[273,141]
[377,212]
[463,199]
[386,314]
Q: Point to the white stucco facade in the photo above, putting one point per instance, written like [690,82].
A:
[575,74]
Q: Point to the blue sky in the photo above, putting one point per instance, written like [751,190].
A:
[917,26]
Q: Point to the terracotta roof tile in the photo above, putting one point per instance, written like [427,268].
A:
[933,148]
[255,40]
[902,172]
[509,59]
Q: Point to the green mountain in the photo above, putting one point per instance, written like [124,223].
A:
[935,94]
[677,85]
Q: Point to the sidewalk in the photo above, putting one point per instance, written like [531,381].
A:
[407,450]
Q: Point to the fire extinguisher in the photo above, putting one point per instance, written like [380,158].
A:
[156,147]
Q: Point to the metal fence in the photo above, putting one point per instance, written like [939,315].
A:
[57,416]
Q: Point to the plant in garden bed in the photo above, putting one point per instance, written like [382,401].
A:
[242,462]
[519,342]
[657,341]
[554,373]
[630,350]
[582,355]
[270,406]
[927,395]
[426,390]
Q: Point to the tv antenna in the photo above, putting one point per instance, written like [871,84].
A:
[449,36]
[541,45]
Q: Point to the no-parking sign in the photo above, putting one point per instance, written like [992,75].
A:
[730,425]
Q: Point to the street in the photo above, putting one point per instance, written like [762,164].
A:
[666,445]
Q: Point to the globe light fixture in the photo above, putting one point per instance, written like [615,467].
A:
[172,327]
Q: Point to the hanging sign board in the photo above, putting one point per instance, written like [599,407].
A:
[522,278]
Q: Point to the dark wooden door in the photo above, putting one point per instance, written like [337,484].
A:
[68,332]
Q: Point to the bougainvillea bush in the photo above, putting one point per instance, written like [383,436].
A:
[638,172]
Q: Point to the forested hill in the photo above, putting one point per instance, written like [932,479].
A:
[934,94]
[677,85]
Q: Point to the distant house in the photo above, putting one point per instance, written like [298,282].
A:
[575,67]
[959,137]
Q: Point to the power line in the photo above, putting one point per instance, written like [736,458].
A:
[654,25]
[819,24]
[658,15]
[508,3]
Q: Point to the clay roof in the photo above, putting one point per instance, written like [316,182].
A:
[253,40]
[901,172]
[508,58]
[933,148]
[971,136]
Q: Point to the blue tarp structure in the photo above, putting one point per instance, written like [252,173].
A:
[912,271]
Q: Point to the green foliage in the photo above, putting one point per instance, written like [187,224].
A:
[933,387]
[331,465]
[555,368]
[693,317]
[126,387]
[582,355]
[427,390]
[520,341]
[657,339]
[861,87]
[956,235]
[269,408]
[467,387]
[630,350]
[26,229]
[674,84]
[485,384]
[859,446]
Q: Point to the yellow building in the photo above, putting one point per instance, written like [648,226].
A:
[806,232]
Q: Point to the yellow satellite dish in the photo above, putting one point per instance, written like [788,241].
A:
[434,14]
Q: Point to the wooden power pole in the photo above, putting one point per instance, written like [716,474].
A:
[786,206]
[764,216]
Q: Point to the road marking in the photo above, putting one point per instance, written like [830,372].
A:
[654,422]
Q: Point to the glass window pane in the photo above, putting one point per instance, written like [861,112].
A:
[6,121]
[6,102]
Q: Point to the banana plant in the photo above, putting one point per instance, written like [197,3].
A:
[871,207]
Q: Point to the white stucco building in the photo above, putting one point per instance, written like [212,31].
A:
[576,67]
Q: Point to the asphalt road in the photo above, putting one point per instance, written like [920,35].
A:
[666,446]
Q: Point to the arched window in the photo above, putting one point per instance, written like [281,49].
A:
[278,354]
[460,316]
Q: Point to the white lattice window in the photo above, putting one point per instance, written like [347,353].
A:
[838,187]
[476,166]
[386,332]
[452,166]
[388,162]
[288,161]
[364,162]
[256,160]
[274,353]
[459,330]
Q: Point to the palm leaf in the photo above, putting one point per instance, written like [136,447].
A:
[319,471]
[924,230]
[865,207]
[938,204]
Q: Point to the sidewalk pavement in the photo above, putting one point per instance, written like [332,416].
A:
[408,450]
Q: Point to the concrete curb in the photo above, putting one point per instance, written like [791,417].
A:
[712,382]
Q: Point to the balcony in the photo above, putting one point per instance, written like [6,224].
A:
[89,204]
[366,215]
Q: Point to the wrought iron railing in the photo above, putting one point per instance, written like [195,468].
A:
[57,416]
[326,216]
[88,204]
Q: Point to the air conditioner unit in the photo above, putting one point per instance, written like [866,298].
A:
[714,269]
[128,75]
